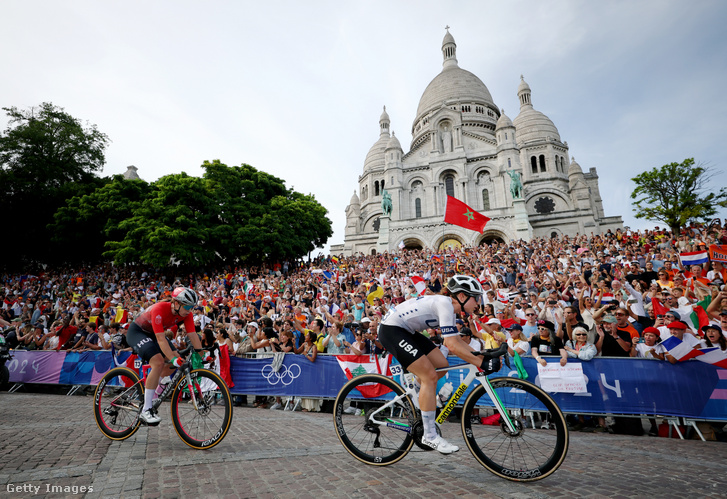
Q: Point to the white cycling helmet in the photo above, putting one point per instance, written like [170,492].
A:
[465,284]
[186,296]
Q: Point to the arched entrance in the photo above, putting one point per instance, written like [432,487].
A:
[449,242]
[492,236]
[412,244]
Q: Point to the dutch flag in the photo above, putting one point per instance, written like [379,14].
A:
[694,258]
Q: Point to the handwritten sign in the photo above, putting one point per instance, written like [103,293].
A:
[555,378]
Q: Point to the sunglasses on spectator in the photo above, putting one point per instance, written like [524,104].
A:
[580,334]
[528,315]
[617,314]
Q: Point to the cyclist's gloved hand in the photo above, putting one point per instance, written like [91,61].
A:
[177,362]
[208,359]
[491,365]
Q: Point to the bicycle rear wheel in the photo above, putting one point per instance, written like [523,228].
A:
[117,403]
[203,421]
[528,454]
[370,432]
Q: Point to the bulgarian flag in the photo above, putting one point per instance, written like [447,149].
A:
[458,213]
[356,365]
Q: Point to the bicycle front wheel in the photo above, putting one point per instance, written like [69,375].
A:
[202,412]
[117,403]
[372,426]
[528,454]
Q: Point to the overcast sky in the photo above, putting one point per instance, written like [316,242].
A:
[296,88]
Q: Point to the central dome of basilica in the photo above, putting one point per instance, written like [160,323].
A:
[453,84]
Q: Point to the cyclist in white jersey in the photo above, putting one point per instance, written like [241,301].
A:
[399,334]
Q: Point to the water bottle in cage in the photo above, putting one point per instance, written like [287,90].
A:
[444,393]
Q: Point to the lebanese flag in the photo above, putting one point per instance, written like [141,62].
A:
[458,213]
[419,284]
[356,365]
[680,350]
[693,258]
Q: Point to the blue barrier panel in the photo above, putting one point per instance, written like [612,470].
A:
[615,386]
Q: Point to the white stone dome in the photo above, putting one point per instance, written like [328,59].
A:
[574,168]
[354,199]
[532,125]
[453,84]
[504,121]
[393,143]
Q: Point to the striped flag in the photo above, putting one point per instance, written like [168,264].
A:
[122,315]
[419,284]
[247,288]
[607,299]
[681,351]
[693,258]
[334,259]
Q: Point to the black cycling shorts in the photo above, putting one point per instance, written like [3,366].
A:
[144,344]
[403,345]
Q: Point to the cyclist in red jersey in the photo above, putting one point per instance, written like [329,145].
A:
[146,337]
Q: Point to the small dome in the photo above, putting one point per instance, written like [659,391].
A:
[574,168]
[393,143]
[375,157]
[354,199]
[523,87]
[384,116]
[130,173]
[531,125]
[448,38]
[504,121]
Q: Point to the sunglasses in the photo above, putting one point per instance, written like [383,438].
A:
[580,334]
[187,307]
[529,315]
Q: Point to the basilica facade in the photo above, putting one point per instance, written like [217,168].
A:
[464,146]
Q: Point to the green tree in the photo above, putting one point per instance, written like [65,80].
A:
[46,156]
[677,194]
[230,215]
[95,217]
[176,220]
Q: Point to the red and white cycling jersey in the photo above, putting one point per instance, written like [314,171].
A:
[159,317]
[430,311]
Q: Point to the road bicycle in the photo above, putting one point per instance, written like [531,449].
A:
[201,403]
[499,420]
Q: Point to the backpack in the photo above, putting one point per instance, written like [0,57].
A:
[244,347]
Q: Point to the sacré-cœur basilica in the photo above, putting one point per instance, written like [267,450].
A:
[464,146]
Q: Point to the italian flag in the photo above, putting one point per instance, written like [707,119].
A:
[356,365]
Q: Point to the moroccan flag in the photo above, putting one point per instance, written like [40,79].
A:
[458,213]
[355,365]
[659,309]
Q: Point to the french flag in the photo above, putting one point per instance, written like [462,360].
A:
[694,258]
[714,356]
[680,350]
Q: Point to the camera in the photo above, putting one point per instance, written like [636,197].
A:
[613,306]
[552,302]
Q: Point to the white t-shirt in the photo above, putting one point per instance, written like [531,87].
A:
[522,346]
[644,351]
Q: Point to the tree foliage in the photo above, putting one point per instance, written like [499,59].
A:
[230,215]
[46,157]
[677,194]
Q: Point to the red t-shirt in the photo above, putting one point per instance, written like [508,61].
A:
[159,317]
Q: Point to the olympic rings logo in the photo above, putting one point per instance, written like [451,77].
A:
[285,375]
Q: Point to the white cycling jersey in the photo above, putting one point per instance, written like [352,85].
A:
[430,311]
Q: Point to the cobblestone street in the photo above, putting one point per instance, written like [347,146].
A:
[51,442]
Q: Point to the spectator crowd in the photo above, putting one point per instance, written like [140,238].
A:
[618,294]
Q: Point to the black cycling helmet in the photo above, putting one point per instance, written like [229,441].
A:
[465,284]
[186,296]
